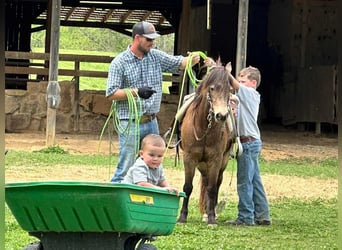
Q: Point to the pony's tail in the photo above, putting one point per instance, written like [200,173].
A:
[202,200]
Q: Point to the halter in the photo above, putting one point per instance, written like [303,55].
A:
[209,119]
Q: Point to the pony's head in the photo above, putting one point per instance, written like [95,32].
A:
[216,87]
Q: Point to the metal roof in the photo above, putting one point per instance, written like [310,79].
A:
[164,14]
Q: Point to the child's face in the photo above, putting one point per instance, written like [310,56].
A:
[245,81]
[152,155]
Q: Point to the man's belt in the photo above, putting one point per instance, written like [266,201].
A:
[244,139]
[147,118]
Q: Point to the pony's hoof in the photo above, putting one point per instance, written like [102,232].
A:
[205,218]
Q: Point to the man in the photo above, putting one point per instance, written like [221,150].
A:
[253,206]
[137,72]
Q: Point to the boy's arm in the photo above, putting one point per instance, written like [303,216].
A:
[146,184]
[235,83]
[163,185]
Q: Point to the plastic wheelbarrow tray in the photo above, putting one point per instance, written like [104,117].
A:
[64,207]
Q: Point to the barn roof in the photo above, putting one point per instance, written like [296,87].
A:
[116,15]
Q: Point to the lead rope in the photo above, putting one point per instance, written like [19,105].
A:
[134,110]
[194,81]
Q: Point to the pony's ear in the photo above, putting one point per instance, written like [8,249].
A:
[229,67]
[219,62]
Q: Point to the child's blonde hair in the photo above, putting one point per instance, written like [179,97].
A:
[251,73]
[153,139]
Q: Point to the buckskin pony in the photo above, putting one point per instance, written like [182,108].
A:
[205,140]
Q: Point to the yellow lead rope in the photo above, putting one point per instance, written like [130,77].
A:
[194,81]
[134,110]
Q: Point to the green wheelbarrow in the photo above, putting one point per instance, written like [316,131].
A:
[89,215]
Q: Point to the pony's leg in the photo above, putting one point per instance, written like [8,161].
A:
[213,191]
[187,189]
[203,199]
[212,194]
[219,180]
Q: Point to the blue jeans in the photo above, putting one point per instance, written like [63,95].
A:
[253,204]
[127,145]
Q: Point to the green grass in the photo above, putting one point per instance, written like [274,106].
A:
[301,167]
[297,224]
[43,159]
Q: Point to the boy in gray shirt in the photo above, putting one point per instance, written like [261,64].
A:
[253,207]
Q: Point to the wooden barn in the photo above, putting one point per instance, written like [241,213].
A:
[294,43]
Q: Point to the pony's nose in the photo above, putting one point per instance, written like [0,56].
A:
[221,117]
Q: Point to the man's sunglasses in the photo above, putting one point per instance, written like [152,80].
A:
[149,39]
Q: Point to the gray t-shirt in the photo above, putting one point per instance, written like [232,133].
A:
[248,110]
[141,172]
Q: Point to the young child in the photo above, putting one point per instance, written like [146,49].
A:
[253,207]
[148,170]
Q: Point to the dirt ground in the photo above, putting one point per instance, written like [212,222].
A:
[278,143]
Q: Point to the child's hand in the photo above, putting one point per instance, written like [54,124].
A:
[172,190]
[209,62]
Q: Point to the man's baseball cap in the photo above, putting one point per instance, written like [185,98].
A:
[145,29]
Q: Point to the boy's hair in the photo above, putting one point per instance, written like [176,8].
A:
[251,73]
[153,139]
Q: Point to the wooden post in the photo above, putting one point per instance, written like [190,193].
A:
[77,99]
[241,50]
[53,97]
[47,37]
[183,44]
[208,15]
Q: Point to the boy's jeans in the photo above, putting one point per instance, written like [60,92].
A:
[253,204]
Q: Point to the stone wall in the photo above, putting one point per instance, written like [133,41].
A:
[26,109]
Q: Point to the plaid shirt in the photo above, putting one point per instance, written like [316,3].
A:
[128,71]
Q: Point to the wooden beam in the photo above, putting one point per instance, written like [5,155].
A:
[64,72]
[53,90]
[184,26]
[147,14]
[72,72]
[62,57]
[124,17]
[69,14]
[88,14]
[107,16]
[241,50]
[161,20]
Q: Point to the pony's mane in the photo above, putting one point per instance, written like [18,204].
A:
[216,75]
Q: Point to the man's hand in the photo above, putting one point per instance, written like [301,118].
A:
[195,58]
[146,92]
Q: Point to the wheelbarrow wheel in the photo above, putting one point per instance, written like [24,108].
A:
[147,247]
[34,246]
